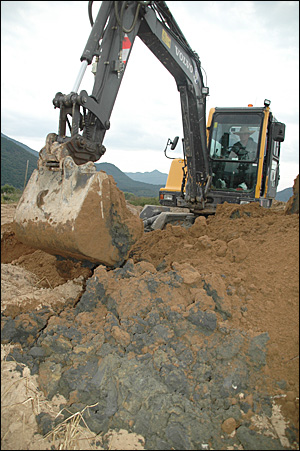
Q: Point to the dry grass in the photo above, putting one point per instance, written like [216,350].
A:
[41,280]
[21,401]
[71,432]
[24,383]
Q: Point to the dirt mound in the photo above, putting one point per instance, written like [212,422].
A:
[247,254]
[193,343]
[11,248]
[50,271]
[293,203]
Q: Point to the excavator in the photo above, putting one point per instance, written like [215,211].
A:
[72,211]
[237,175]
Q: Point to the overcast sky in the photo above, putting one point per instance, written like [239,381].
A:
[249,51]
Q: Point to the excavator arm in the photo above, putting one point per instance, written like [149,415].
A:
[110,43]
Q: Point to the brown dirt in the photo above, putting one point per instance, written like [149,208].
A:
[31,278]
[293,202]
[245,252]
[257,252]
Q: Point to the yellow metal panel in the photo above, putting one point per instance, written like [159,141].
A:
[266,186]
[174,180]
[261,153]
[209,120]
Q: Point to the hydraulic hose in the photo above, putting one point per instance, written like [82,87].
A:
[120,17]
[90,12]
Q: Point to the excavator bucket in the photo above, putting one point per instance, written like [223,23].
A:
[75,211]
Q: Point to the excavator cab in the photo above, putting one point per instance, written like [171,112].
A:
[244,151]
[233,150]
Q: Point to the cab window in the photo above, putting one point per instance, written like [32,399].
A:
[233,150]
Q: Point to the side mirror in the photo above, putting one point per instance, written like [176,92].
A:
[278,131]
[174,143]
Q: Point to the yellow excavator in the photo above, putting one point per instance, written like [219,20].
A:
[71,210]
[243,150]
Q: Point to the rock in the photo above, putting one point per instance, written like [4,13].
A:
[220,247]
[199,227]
[231,347]
[122,337]
[49,377]
[254,441]
[206,322]
[257,349]
[45,423]
[238,250]
[229,425]
[189,274]
[204,242]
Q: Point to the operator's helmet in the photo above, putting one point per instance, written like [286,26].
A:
[244,130]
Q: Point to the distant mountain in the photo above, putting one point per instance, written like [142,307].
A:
[284,195]
[156,177]
[33,152]
[14,163]
[126,184]
[14,157]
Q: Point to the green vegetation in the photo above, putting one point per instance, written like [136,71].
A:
[19,161]
[126,184]
[16,163]
[10,194]
[141,201]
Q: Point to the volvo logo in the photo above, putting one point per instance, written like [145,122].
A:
[183,59]
[186,62]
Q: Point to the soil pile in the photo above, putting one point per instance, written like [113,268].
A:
[191,344]
[293,203]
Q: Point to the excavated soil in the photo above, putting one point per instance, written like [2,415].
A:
[192,344]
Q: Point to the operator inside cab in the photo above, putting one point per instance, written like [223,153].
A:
[246,147]
[234,152]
